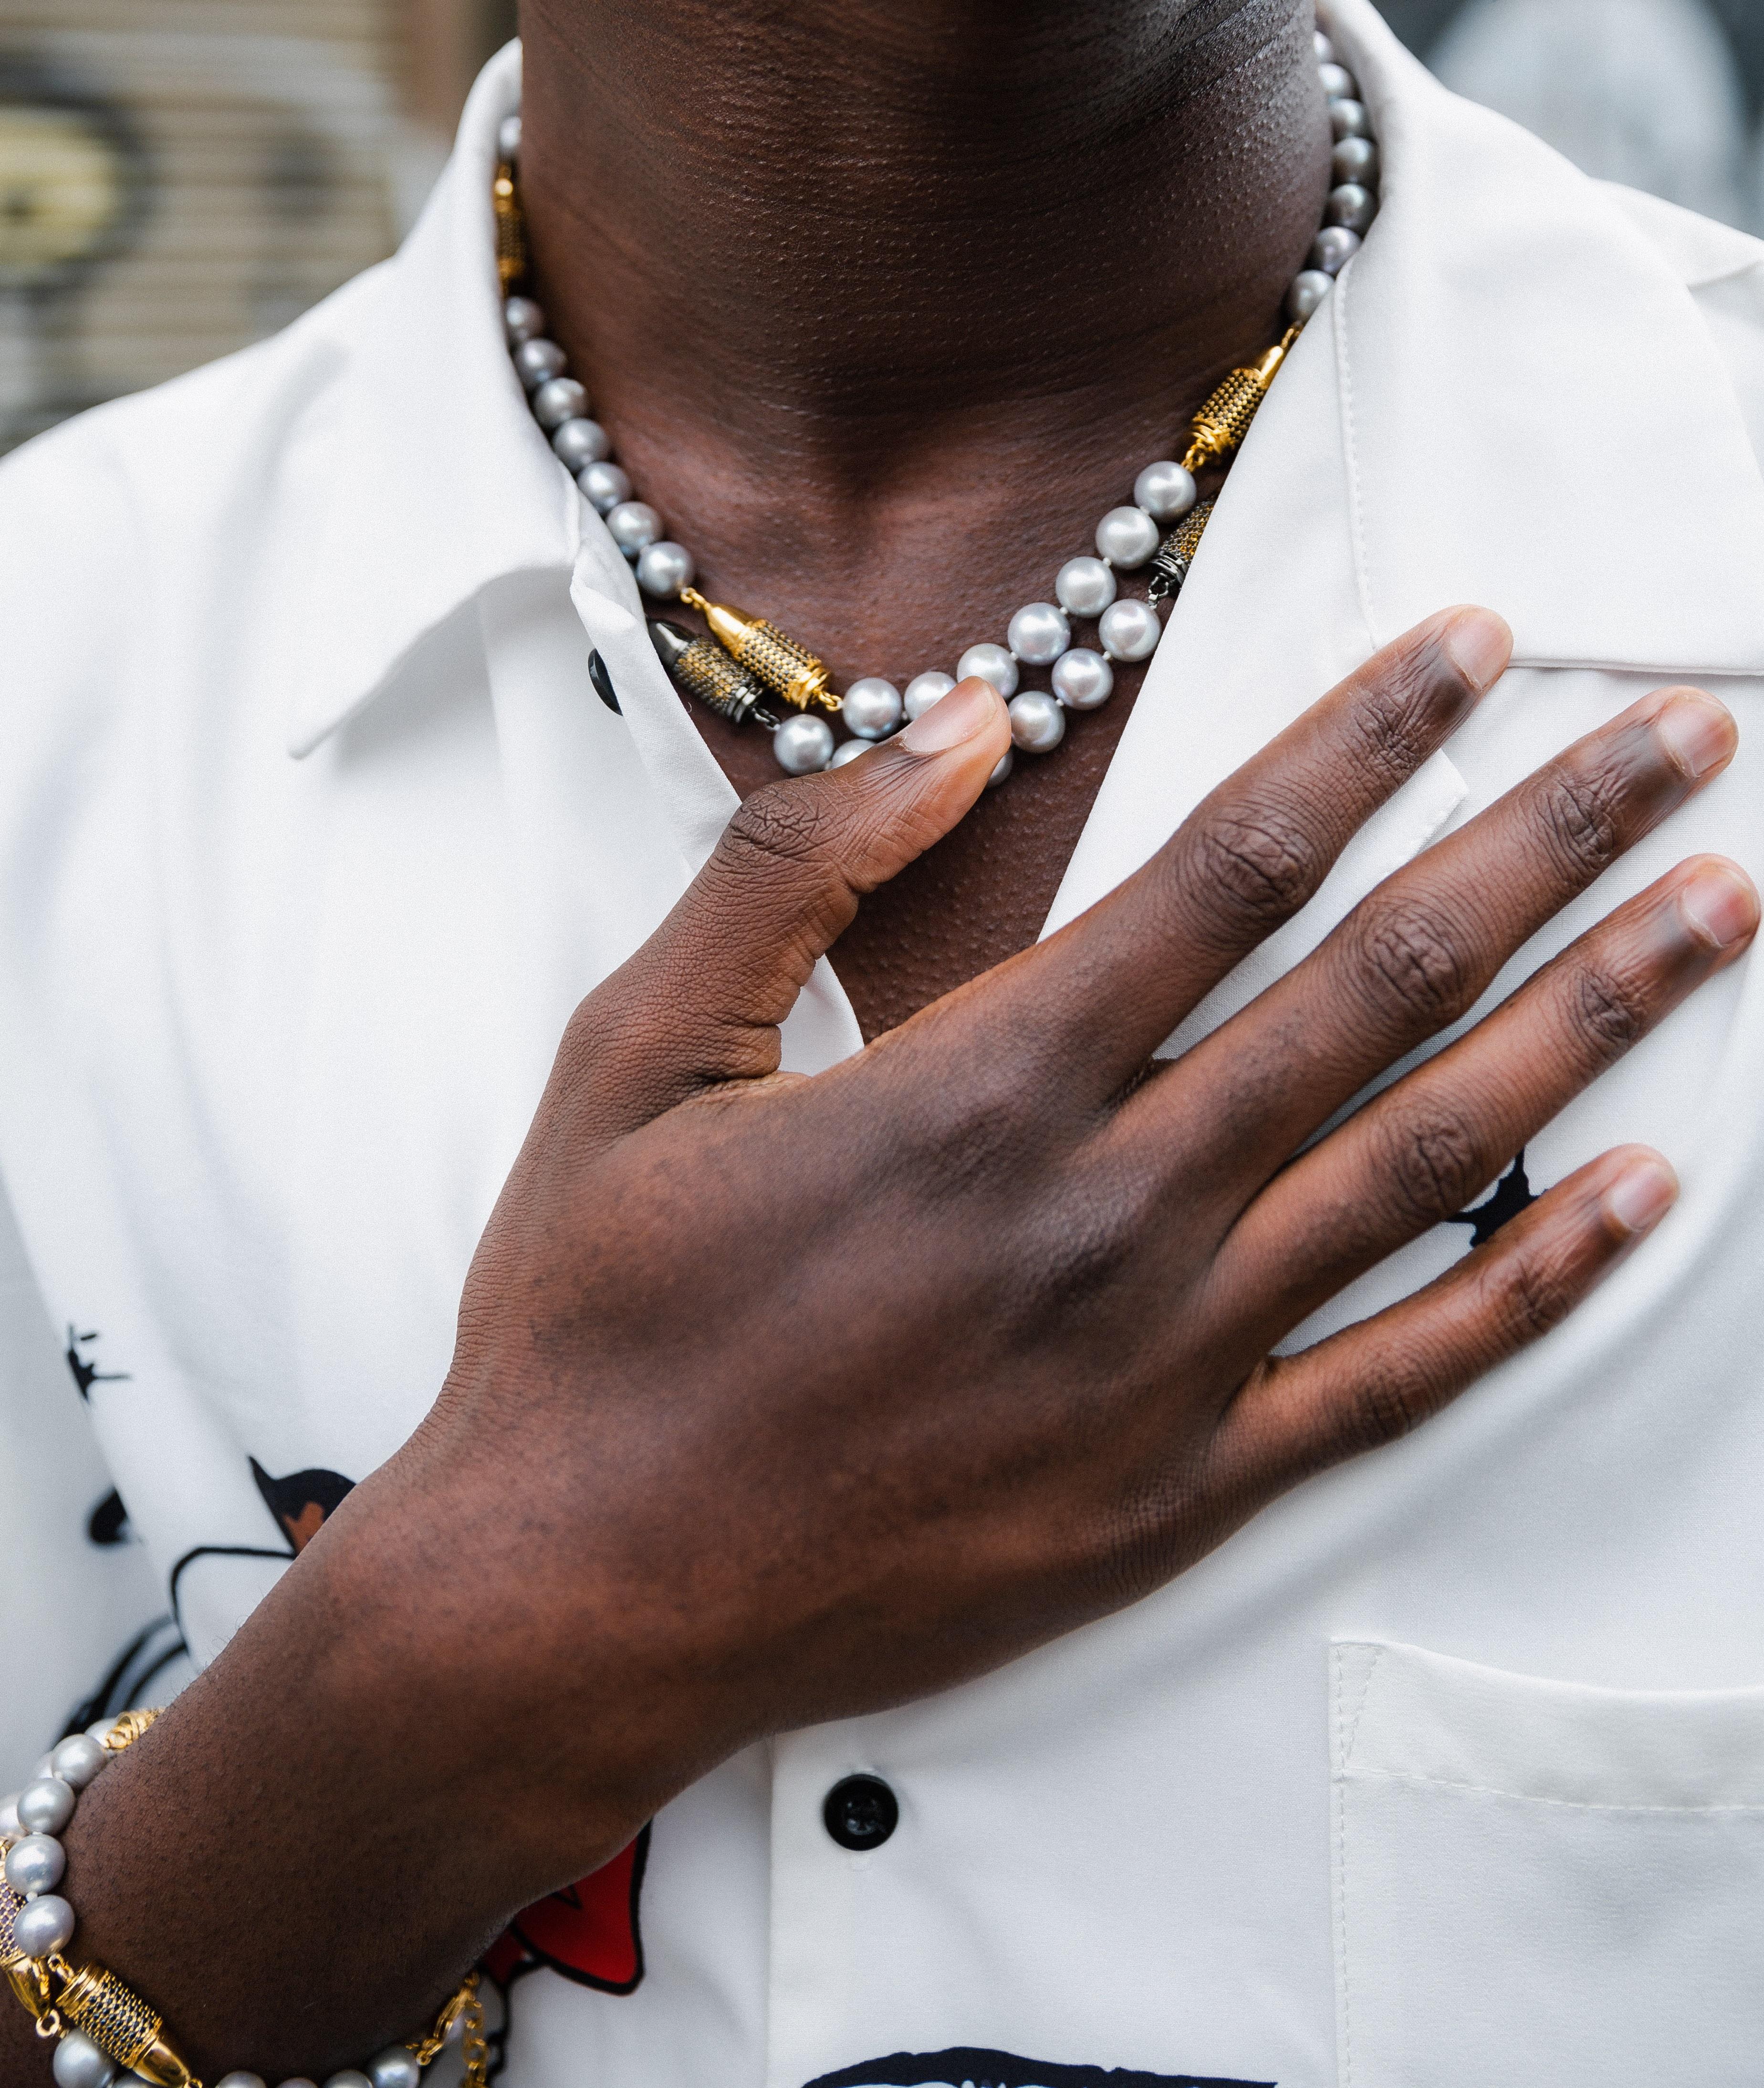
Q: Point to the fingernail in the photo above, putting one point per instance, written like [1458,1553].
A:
[952,719]
[1642,1195]
[1720,906]
[1697,732]
[1479,645]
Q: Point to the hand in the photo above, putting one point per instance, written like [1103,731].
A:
[780,1399]
[830,1392]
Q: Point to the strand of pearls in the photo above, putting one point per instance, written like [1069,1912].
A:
[1087,587]
[38,1922]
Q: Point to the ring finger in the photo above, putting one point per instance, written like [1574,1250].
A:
[1429,1146]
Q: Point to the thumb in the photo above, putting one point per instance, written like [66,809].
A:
[701,1001]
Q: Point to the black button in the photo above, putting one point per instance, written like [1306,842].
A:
[860,1813]
[602,680]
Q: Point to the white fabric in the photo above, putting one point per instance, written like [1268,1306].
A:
[312,832]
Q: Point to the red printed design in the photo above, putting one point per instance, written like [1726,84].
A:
[589,1931]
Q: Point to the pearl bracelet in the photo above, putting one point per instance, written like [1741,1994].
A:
[756,655]
[106,2033]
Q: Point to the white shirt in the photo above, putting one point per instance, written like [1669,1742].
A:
[1450,1769]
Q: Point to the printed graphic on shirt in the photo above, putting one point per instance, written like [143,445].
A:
[298,1504]
[85,1369]
[301,1502]
[967,2067]
[131,1675]
[589,1932]
[1512,1194]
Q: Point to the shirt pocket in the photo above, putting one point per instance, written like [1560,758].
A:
[1539,1881]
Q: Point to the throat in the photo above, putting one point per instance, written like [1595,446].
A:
[882,306]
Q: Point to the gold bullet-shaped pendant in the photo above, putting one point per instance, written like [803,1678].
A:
[1224,422]
[765,650]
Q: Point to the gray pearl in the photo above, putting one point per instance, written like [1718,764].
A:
[396,2067]
[1351,205]
[522,320]
[43,1924]
[848,750]
[1355,159]
[1333,248]
[1349,119]
[1127,537]
[79,2064]
[606,485]
[580,442]
[923,691]
[1339,83]
[559,400]
[1310,288]
[1165,491]
[536,363]
[46,1806]
[1085,587]
[299,2081]
[803,745]
[351,2077]
[1130,631]
[508,138]
[635,524]
[1037,722]
[243,2080]
[1038,634]
[1326,50]
[78,1760]
[1001,768]
[663,569]
[36,1864]
[10,1828]
[871,708]
[993,663]
[1084,679]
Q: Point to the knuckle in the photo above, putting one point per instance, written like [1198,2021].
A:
[778,824]
[1532,1295]
[1394,724]
[1580,808]
[1434,1167]
[1412,963]
[1610,1012]
[1261,860]
[1384,1405]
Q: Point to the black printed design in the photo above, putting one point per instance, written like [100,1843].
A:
[1512,1194]
[86,1372]
[132,1674]
[301,1502]
[967,2067]
[109,1522]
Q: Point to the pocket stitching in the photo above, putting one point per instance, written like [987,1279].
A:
[1533,1798]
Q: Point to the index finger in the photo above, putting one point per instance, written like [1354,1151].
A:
[1250,856]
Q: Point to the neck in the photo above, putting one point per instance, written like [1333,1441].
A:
[831,264]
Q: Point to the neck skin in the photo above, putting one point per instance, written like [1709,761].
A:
[843,277]
[885,302]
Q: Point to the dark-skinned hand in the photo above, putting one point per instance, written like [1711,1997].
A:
[780,1399]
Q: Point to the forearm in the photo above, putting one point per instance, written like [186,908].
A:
[298,1863]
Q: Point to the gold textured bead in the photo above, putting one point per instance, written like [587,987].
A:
[114,2016]
[764,650]
[511,229]
[1224,422]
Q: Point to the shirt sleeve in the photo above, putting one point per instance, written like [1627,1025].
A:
[86,1630]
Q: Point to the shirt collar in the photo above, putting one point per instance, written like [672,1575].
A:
[1530,402]
[441,482]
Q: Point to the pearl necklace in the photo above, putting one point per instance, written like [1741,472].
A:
[732,671]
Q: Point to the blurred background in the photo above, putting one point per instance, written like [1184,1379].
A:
[178,178]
